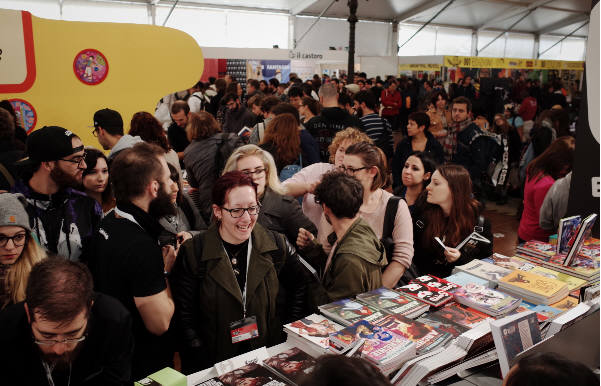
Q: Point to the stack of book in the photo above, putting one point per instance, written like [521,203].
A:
[425,337]
[311,334]
[386,349]
[484,270]
[583,266]
[291,365]
[462,278]
[454,318]
[394,302]
[534,288]
[349,311]
[486,300]
[474,343]
[514,334]
[252,374]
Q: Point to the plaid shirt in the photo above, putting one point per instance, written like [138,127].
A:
[449,142]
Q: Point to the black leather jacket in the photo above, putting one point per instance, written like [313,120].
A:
[208,298]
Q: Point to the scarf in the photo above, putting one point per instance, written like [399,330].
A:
[449,142]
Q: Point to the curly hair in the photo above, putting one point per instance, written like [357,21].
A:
[283,132]
[350,134]
[149,129]
[341,193]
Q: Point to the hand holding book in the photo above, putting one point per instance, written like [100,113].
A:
[452,254]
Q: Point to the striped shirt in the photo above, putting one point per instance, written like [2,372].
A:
[379,130]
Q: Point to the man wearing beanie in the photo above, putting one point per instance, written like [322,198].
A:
[62,218]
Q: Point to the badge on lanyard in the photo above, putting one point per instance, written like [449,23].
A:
[244,329]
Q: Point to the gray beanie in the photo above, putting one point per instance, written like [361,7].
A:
[12,211]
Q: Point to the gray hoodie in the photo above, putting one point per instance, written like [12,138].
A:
[124,142]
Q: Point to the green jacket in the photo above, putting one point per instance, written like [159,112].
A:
[356,265]
[208,298]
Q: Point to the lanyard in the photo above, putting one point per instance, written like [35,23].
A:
[249,249]
[49,374]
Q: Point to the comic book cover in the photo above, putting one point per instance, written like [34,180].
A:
[291,364]
[391,301]
[512,262]
[425,294]
[514,334]
[533,283]
[435,283]
[424,336]
[462,315]
[348,311]
[568,227]
[567,303]
[543,313]
[252,374]
[314,328]
[485,299]
[442,324]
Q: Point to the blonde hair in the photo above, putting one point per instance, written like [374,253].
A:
[271,181]
[18,273]
[351,134]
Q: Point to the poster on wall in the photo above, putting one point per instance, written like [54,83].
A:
[25,112]
[267,69]
[90,66]
[303,69]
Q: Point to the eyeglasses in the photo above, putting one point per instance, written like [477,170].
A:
[95,132]
[239,212]
[79,160]
[18,239]
[253,172]
[351,171]
[52,342]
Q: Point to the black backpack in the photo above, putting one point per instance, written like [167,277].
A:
[227,143]
[486,149]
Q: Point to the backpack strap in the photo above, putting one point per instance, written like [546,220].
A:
[7,175]
[391,209]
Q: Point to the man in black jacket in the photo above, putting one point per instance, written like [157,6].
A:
[331,120]
[64,333]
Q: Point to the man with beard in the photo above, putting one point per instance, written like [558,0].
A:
[376,127]
[64,333]
[354,265]
[129,264]
[63,219]
[237,115]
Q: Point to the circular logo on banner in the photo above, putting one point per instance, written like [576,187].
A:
[90,66]
[25,112]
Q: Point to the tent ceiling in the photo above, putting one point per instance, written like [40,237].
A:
[549,16]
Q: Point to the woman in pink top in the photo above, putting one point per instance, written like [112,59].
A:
[367,163]
[553,163]
[304,182]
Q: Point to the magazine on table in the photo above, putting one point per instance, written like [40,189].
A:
[291,365]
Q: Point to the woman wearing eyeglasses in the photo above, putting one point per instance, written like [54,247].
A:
[19,251]
[279,213]
[367,163]
[226,281]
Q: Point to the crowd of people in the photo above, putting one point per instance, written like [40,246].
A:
[205,217]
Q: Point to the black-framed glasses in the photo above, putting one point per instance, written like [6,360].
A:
[239,212]
[52,342]
[95,132]
[18,239]
[253,172]
[79,160]
[351,171]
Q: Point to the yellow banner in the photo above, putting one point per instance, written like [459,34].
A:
[534,64]
[419,67]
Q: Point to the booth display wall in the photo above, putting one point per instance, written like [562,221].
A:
[137,77]
[379,65]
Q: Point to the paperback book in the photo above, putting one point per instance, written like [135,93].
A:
[483,270]
[312,333]
[568,226]
[291,365]
[583,233]
[462,278]
[486,300]
[511,262]
[461,315]
[442,324]
[435,283]
[252,374]
[425,294]
[514,334]
[349,311]
[425,337]
[544,313]
[534,288]
[394,302]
